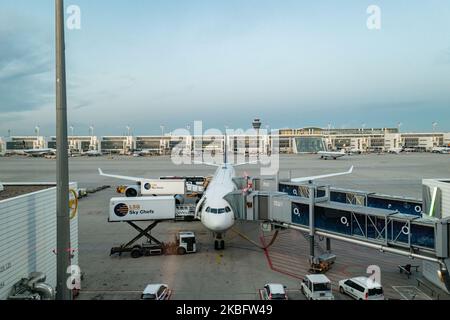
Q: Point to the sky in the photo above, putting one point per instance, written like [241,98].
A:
[147,63]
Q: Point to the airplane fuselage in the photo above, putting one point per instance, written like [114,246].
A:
[215,212]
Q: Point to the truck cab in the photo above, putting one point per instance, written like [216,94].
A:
[186,243]
[317,287]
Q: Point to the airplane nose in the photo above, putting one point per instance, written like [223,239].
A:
[218,223]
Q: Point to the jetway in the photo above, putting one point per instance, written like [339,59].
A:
[313,210]
[369,199]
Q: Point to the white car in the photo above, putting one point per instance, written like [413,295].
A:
[317,287]
[274,291]
[362,288]
[156,292]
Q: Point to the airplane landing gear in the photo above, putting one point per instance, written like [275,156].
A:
[219,243]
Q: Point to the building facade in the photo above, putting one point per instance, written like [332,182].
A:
[305,140]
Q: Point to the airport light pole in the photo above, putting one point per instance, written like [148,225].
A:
[62,169]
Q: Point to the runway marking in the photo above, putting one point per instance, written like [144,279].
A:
[411,293]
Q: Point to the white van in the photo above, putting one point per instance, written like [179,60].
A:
[362,288]
[317,287]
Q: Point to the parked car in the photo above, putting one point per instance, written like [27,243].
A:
[317,287]
[156,292]
[361,288]
[274,291]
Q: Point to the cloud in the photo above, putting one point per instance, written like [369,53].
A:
[25,66]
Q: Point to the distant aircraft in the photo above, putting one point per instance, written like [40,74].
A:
[216,213]
[355,150]
[39,152]
[92,153]
[443,150]
[331,154]
[395,150]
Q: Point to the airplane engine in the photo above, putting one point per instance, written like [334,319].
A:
[132,192]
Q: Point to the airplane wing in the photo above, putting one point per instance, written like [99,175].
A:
[305,179]
[118,176]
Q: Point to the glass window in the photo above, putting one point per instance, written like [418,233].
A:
[222,210]
[227,209]
[148,297]
[161,291]
[322,286]
[208,209]
[214,211]
[375,291]
[358,288]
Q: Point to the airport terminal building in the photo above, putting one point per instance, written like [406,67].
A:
[287,141]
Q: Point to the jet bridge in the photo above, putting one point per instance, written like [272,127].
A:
[312,211]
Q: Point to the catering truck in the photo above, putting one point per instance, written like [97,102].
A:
[155,187]
[153,209]
[149,209]
[142,209]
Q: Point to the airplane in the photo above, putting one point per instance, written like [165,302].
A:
[331,154]
[214,212]
[355,151]
[39,152]
[395,150]
[92,153]
[443,150]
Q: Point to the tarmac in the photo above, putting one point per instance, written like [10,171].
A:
[239,272]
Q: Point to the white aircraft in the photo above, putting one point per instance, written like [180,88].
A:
[331,154]
[215,213]
[395,150]
[443,150]
[92,153]
[39,152]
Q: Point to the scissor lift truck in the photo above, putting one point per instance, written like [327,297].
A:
[150,248]
[156,210]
